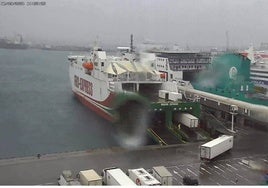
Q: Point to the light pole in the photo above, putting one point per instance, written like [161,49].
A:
[233,112]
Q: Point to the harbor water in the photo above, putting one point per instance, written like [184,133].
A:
[39,113]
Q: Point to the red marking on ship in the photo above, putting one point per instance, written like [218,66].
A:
[103,113]
[262,55]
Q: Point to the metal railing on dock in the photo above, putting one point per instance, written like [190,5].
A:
[160,140]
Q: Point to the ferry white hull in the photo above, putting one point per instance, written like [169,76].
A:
[92,92]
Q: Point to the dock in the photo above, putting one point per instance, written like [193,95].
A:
[180,159]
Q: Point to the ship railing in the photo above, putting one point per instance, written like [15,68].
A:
[119,79]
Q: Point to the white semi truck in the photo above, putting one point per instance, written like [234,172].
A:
[216,147]
[115,176]
[141,177]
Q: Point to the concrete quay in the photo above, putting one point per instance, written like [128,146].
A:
[228,169]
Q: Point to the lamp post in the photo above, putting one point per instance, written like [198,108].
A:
[233,112]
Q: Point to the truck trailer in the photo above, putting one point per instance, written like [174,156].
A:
[141,177]
[115,176]
[89,177]
[162,175]
[216,147]
[187,120]
[174,96]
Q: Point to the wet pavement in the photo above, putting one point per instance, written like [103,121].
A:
[223,172]
[243,165]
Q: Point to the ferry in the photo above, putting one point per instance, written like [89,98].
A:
[259,76]
[98,79]
[133,92]
[258,69]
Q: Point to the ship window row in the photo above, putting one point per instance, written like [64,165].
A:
[259,71]
[257,76]
[73,61]
[188,66]
[86,59]
[162,59]
[204,61]
[161,66]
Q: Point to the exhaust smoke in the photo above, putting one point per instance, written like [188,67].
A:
[132,123]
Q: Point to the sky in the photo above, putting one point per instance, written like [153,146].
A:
[182,22]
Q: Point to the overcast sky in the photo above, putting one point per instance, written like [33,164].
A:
[184,22]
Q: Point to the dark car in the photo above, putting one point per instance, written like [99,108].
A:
[187,180]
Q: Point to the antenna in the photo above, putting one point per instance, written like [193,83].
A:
[227,40]
[131,43]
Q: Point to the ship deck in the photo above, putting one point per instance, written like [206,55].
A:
[183,159]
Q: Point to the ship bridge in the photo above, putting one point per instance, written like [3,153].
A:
[189,62]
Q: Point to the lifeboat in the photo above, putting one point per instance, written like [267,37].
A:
[88,65]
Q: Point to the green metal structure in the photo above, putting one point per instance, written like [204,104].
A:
[229,76]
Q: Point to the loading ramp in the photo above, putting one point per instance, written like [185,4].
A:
[194,135]
[218,125]
[163,136]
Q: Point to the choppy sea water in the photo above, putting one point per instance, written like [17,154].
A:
[38,111]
